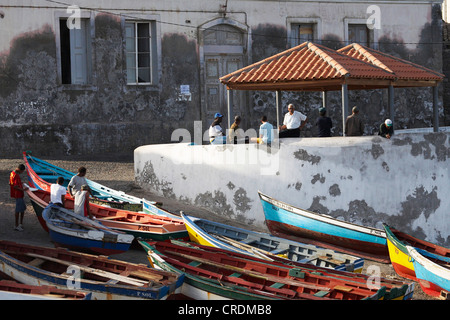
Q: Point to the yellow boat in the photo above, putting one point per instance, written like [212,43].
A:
[401,260]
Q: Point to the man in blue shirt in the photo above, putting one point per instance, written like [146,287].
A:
[265,131]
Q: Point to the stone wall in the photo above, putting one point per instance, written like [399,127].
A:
[366,180]
[39,113]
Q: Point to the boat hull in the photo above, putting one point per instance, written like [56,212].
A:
[433,278]
[305,226]
[87,245]
[400,259]
[159,231]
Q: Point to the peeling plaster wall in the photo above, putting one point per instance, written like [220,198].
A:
[34,103]
[366,180]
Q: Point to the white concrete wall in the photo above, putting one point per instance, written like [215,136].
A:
[369,180]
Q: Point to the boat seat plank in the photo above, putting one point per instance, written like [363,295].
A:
[194,263]
[277,285]
[343,288]
[247,241]
[36,262]
[321,293]
[278,251]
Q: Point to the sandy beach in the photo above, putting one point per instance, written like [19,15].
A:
[117,174]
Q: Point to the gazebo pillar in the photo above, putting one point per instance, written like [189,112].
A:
[229,107]
[324,99]
[344,106]
[278,106]
[435,109]
[391,102]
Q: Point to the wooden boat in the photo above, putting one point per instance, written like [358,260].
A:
[402,261]
[140,225]
[41,174]
[70,230]
[213,273]
[105,278]
[266,246]
[13,290]
[305,226]
[433,277]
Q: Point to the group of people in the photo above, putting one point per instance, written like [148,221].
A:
[218,136]
[77,188]
[293,123]
[355,127]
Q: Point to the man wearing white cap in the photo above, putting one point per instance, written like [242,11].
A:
[386,129]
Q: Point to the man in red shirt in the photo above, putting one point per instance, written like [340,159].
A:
[17,192]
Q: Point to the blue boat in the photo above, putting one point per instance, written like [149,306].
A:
[266,246]
[432,271]
[305,226]
[70,230]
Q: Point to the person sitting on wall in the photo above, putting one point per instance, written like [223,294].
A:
[216,135]
[386,129]
[265,132]
[236,134]
[324,123]
[293,122]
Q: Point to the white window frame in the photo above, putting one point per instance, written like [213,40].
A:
[373,32]
[136,52]
[90,33]
[291,22]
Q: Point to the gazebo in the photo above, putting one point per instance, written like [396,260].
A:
[314,67]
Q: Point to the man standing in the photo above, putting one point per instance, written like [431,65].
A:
[324,123]
[77,181]
[17,192]
[58,192]
[293,122]
[353,124]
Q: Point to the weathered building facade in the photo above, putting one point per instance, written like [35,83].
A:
[110,76]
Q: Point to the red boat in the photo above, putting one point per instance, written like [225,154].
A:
[140,225]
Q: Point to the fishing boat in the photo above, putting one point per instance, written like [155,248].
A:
[104,278]
[266,246]
[287,221]
[401,260]
[138,224]
[213,273]
[73,231]
[13,290]
[433,276]
[41,174]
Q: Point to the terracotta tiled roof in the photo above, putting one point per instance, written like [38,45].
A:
[314,67]
[403,70]
[306,62]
